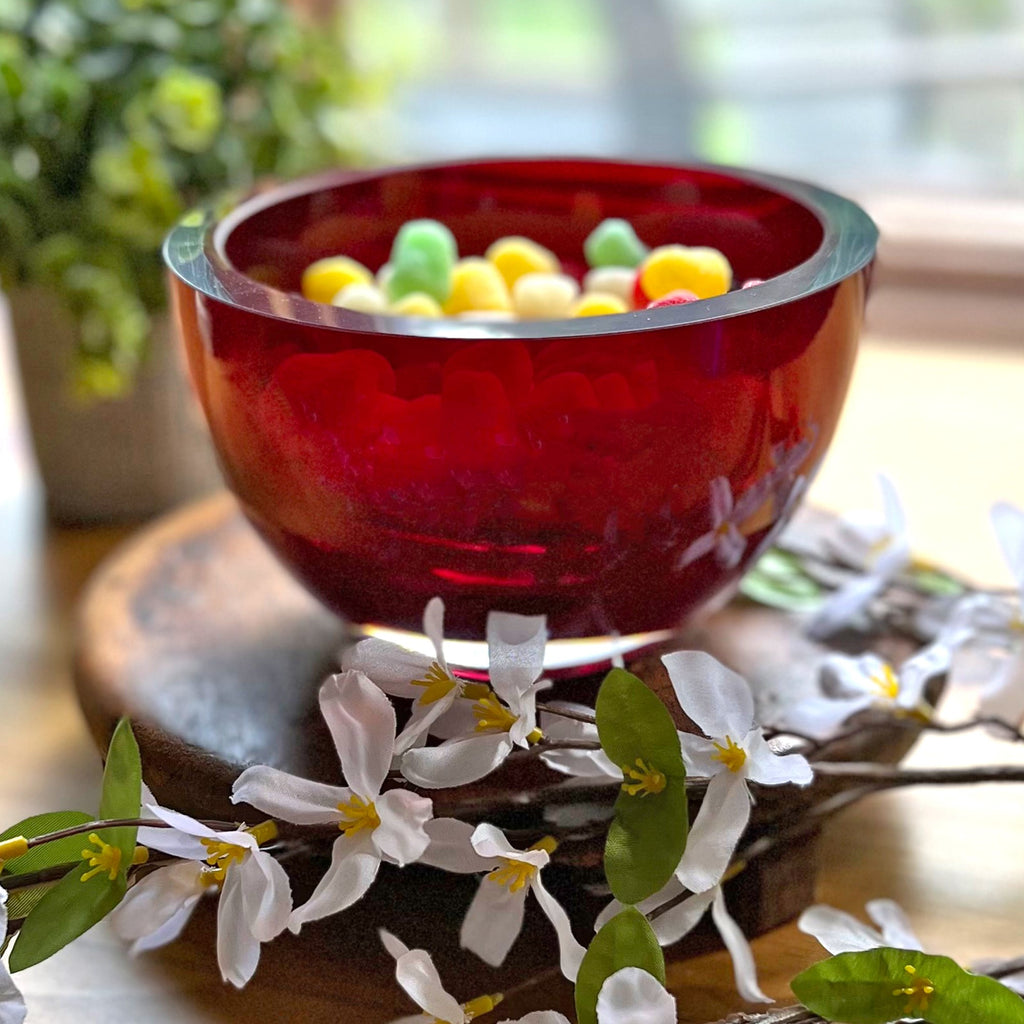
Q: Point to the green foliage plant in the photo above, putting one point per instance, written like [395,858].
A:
[117,116]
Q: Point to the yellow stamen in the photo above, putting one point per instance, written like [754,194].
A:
[491,715]
[481,1005]
[887,684]
[648,779]
[475,691]
[516,874]
[436,684]
[358,815]
[140,856]
[105,858]
[11,848]
[264,832]
[220,856]
[733,756]
[919,992]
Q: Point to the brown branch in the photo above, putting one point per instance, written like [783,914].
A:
[587,717]
[884,776]
[99,826]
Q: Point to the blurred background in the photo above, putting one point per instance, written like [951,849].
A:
[116,115]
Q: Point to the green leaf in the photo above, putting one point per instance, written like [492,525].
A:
[935,583]
[21,902]
[60,851]
[645,842]
[632,722]
[122,789]
[68,910]
[647,837]
[627,940]
[779,581]
[869,988]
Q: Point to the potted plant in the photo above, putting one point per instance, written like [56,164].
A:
[115,117]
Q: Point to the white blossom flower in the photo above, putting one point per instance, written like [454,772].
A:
[505,716]
[679,920]
[495,917]
[878,550]
[429,682]
[255,895]
[840,932]
[374,826]
[418,976]
[852,685]
[12,1006]
[724,538]
[731,752]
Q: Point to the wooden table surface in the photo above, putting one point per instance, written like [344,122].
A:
[944,420]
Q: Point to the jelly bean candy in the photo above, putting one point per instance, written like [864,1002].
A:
[363,298]
[613,243]
[421,260]
[515,256]
[613,281]
[487,316]
[544,296]
[322,280]
[597,304]
[680,297]
[477,286]
[701,270]
[416,304]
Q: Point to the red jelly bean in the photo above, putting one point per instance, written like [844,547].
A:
[679,297]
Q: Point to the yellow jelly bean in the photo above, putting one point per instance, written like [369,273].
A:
[598,304]
[362,297]
[477,285]
[416,304]
[701,270]
[544,296]
[515,256]
[322,280]
[612,281]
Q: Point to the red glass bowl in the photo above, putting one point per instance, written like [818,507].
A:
[612,473]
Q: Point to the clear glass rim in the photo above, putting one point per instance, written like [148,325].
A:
[195,252]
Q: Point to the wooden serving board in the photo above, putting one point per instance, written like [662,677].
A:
[195,631]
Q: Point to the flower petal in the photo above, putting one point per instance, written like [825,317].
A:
[489,841]
[167,933]
[703,545]
[894,923]
[838,931]
[632,996]
[717,699]
[771,769]
[422,719]
[524,705]
[730,547]
[673,924]
[289,797]
[456,762]
[917,671]
[723,816]
[699,756]
[493,921]
[238,950]
[155,899]
[743,966]
[843,676]
[400,836]
[539,1017]
[171,841]
[458,720]
[418,976]
[1008,521]
[392,943]
[570,952]
[388,666]
[354,866]
[669,891]
[266,895]
[515,651]
[844,605]
[362,723]
[191,827]
[821,718]
[451,847]
[433,628]
[721,500]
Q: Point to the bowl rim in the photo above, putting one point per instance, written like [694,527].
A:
[194,251]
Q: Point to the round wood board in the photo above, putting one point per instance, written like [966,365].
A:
[194,631]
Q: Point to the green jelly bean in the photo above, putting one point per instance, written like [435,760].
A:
[613,243]
[422,257]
